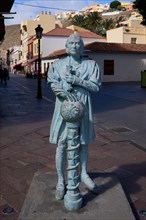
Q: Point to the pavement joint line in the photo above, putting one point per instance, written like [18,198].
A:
[122,127]
[21,85]
[49,100]
[137,145]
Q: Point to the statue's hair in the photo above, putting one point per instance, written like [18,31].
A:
[75,36]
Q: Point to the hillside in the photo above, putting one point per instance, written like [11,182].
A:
[12,36]
[124,14]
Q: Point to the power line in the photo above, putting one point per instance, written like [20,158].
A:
[97,1]
[54,8]
[36,6]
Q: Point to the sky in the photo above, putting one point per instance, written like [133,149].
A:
[29,12]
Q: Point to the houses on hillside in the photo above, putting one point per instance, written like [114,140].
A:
[121,56]
[130,31]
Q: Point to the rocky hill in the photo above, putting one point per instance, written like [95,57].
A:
[12,36]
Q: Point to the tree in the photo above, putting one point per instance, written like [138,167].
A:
[79,20]
[141,6]
[115,4]
[89,21]
[104,26]
[118,20]
[93,20]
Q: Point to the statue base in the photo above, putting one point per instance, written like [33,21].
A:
[40,202]
[72,202]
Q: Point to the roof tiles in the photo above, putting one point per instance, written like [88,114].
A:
[65,32]
[116,47]
[106,47]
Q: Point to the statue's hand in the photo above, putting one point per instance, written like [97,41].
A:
[62,95]
[69,78]
[72,97]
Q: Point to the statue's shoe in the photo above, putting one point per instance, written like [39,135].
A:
[60,191]
[90,184]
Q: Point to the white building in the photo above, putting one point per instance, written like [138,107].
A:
[117,62]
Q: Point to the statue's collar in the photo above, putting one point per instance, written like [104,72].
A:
[74,63]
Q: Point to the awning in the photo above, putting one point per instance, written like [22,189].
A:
[30,61]
[24,64]
[18,66]
[35,58]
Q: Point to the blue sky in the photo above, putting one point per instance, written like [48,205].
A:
[25,12]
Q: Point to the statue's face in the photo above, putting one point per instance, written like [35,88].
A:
[74,45]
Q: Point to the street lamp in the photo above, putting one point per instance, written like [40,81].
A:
[39,31]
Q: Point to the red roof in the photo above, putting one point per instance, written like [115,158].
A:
[116,47]
[106,47]
[65,32]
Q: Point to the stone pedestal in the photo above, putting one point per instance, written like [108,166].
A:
[40,203]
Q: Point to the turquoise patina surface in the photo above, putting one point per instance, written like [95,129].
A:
[72,79]
[87,79]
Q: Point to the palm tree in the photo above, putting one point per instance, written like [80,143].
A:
[118,20]
[78,20]
[105,25]
[93,20]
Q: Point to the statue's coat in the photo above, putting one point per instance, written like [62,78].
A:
[87,71]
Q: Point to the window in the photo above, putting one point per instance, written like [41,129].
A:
[133,40]
[36,48]
[108,67]
[24,28]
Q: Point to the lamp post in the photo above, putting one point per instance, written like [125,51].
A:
[39,31]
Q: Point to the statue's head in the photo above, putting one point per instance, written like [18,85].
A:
[75,45]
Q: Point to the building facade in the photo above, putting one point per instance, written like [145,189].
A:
[117,62]
[47,22]
[131,31]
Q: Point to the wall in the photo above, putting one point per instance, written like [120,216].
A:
[135,32]
[115,35]
[46,21]
[127,66]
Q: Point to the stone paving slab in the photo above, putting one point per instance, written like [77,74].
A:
[111,204]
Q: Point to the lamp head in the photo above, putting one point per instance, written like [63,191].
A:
[39,31]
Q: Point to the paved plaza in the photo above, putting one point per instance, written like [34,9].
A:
[25,147]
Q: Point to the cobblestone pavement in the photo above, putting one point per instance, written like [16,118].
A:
[25,149]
